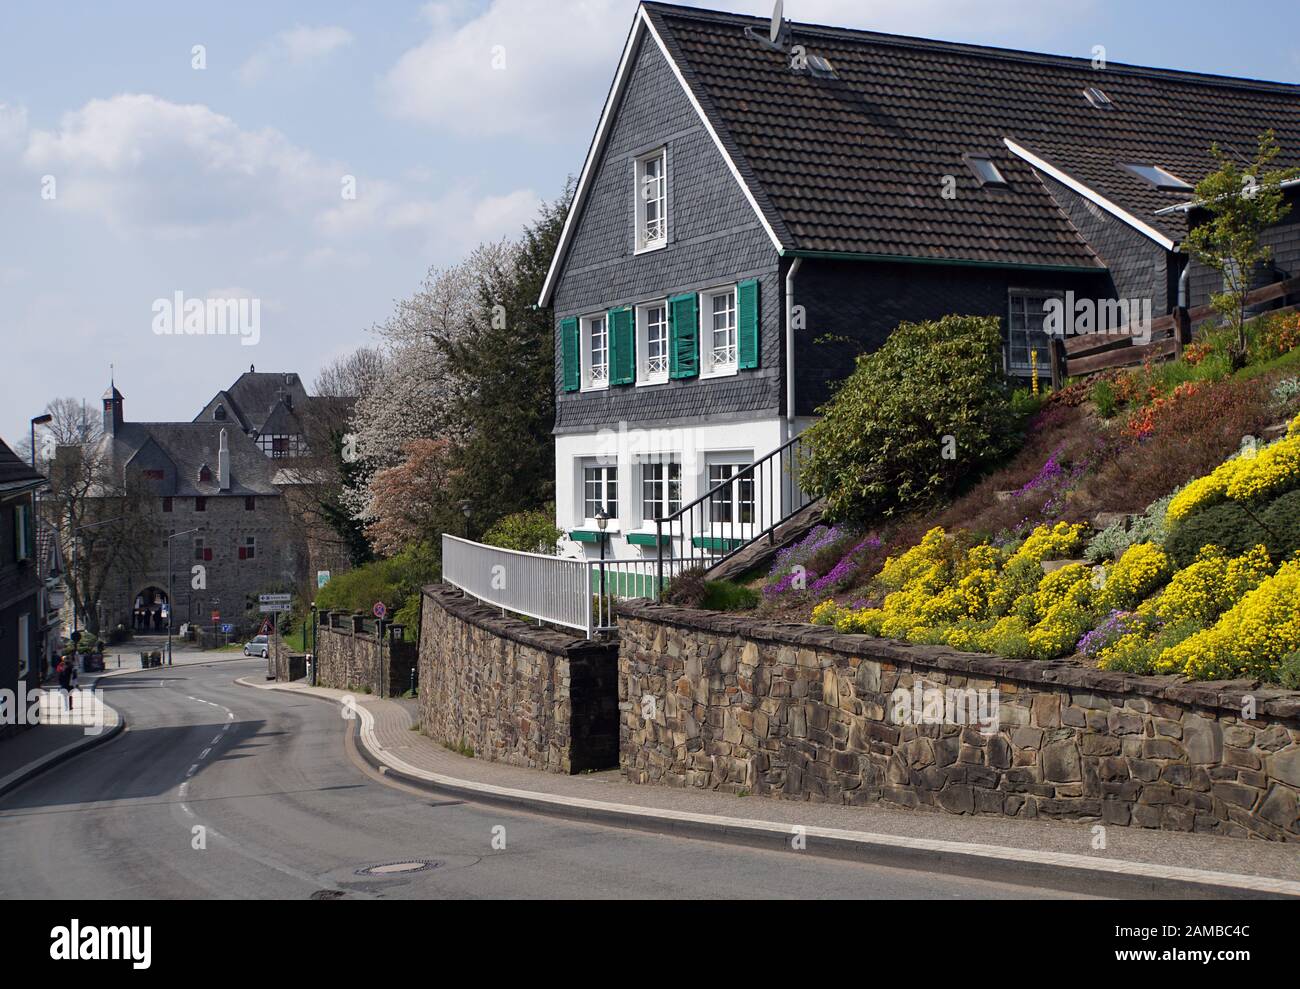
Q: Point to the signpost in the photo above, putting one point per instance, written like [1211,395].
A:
[322,578]
[273,604]
[380,611]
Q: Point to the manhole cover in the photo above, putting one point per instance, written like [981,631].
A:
[397,868]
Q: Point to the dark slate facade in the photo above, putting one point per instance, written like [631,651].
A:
[714,238]
[853,306]
[20,584]
[1284,239]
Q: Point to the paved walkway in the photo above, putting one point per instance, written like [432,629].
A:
[388,731]
[61,733]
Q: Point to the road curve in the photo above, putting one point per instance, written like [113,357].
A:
[218,791]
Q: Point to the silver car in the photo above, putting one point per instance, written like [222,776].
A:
[260,647]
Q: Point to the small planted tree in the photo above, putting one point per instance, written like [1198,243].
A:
[916,418]
[1242,202]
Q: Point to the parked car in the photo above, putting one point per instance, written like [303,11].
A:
[260,646]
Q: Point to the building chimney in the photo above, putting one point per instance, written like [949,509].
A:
[223,464]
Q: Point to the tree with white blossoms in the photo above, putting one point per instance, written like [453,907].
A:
[415,388]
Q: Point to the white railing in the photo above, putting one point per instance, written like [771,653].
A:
[577,594]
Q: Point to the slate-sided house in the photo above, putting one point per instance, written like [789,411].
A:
[752,217]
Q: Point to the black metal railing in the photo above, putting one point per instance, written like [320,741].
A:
[747,506]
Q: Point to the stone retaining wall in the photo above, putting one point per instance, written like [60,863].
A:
[803,713]
[352,657]
[513,692]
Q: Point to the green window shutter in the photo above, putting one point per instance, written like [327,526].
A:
[572,353]
[622,347]
[684,351]
[747,324]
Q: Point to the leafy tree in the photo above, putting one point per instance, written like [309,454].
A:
[924,413]
[502,369]
[1242,202]
[409,500]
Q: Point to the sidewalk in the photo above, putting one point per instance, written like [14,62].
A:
[59,736]
[1135,862]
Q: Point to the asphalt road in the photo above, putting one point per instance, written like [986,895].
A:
[220,791]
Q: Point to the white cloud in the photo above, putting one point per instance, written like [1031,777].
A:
[541,70]
[298,46]
[144,163]
[13,126]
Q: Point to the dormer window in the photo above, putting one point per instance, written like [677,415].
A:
[205,474]
[219,413]
[1158,177]
[652,201]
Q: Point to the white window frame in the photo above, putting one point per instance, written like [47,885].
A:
[1038,296]
[663,484]
[736,461]
[644,374]
[644,243]
[708,367]
[589,521]
[590,381]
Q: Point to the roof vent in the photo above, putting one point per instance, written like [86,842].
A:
[777,37]
[1097,98]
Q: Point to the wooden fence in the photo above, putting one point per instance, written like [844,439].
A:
[1093,352]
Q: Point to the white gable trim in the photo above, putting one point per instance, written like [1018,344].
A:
[1145,229]
[641,25]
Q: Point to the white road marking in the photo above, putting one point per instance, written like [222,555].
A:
[204,754]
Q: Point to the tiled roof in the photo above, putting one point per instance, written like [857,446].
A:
[253,397]
[15,473]
[856,164]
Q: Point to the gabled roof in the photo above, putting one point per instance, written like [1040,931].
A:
[255,395]
[16,475]
[191,445]
[854,165]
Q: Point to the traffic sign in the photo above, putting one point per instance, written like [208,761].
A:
[380,611]
[322,578]
[275,609]
[227,629]
[216,617]
[274,598]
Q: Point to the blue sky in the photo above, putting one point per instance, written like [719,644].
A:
[226,181]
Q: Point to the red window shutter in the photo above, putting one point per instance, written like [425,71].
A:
[243,553]
[207,556]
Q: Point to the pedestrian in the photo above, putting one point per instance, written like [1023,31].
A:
[67,672]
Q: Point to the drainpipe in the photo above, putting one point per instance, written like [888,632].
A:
[789,346]
[1182,325]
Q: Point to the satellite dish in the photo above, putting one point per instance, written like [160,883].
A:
[778,15]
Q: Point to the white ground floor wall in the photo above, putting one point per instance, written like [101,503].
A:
[626,469]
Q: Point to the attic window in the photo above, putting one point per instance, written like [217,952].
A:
[985,170]
[821,67]
[1158,177]
[1097,98]
[220,413]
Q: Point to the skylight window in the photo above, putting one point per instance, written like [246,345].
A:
[1098,98]
[985,170]
[821,67]
[1158,177]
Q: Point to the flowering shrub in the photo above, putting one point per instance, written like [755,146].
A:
[1251,640]
[1267,473]
[845,569]
[1138,572]
[1210,586]
[1280,334]
[1116,626]
[789,570]
[1142,423]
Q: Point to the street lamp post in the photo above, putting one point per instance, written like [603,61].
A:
[602,523]
[44,420]
[313,643]
[171,595]
[467,507]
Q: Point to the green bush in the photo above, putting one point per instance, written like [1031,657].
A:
[1111,542]
[1289,672]
[1276,526]
[397,582]
[916,419]
[726,595]
[1104,397]
[527,532]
